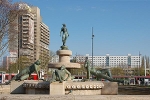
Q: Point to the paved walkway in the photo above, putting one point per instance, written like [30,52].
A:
[73,97]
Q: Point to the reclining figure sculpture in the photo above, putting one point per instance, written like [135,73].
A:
[25,73]
[61,74]
[99,74]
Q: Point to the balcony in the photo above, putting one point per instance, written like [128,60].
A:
[24,32]
[25,29]
[25,35]
[24,39]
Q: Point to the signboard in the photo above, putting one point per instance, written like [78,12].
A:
[146,80]
[31,31]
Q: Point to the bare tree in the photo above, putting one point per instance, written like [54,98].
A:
[142,63]
[53,57]
[147,61]
[8,13]
[117,71]
[45,58]
[22,62]
[52,54]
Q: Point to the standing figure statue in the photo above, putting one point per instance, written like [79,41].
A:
[61,75]
[65,34]
[88,67]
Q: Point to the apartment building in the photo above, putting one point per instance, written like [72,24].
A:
[32,38]
[41,36]
[111,61]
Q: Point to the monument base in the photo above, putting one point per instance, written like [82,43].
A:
[36,87]
[29,87]
[64,88]
[57,88]
[17,87]
[110,88]
[76,88]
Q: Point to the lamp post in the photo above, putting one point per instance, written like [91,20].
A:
[92,46]
[145,66]
[18,50]
[19,40]
[139,62]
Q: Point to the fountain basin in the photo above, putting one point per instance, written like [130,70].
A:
[67,65]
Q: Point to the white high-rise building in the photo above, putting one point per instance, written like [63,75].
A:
[112,61]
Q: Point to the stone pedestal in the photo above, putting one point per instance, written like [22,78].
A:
[64,59]
[64,55]
[57,88]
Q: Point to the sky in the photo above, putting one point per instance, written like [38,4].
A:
[120,27]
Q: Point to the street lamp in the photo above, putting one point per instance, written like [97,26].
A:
[145,66]
[92,46]
[139,62]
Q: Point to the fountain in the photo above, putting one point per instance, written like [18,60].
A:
[87,87]
[61,83]
[70,89]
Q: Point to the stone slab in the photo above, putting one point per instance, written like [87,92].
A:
[110,88]
[57,88]
[36,91]
[4,89]
[17,87]
[74,97]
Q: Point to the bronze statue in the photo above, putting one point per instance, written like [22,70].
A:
[65,34]
[99,74]
[61,75]
[88,67]
[25,73]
